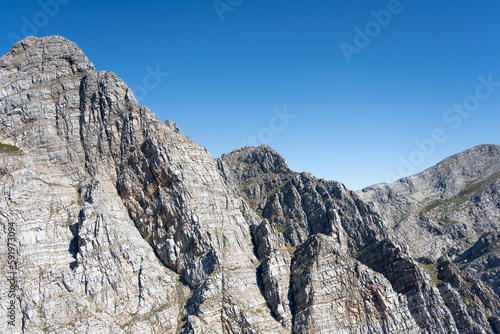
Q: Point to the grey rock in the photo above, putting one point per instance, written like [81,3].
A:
[451,209]
[448,206]
[99,188]
[333,293]
[125,225]
[305,207]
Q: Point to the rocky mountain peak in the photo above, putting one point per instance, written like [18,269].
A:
[252,162]
[256,171]
[46,54]
[124,217]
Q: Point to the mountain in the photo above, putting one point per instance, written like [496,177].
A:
[298,207]
[451,210]
[115,222]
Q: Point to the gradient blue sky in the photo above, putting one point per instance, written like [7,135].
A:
[354,122]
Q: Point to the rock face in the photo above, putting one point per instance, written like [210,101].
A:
[355,234]
[122,224]
[82,264]
[100,192]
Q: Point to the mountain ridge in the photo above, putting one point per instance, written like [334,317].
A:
[123,224]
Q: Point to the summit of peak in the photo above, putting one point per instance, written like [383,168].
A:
[50,50]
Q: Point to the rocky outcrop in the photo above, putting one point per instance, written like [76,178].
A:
[333,293]
[257,172]
[408,278]
[82,266]
[473,304]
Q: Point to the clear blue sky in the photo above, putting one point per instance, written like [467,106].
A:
[354,121]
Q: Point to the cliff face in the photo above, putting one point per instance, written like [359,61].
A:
[100,192]
[124,225]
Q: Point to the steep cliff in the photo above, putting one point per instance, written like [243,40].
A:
[99,190]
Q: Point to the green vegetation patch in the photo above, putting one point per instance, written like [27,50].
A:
[472,189]
[9,149]
[433,272]
[279,228]
[291,250]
